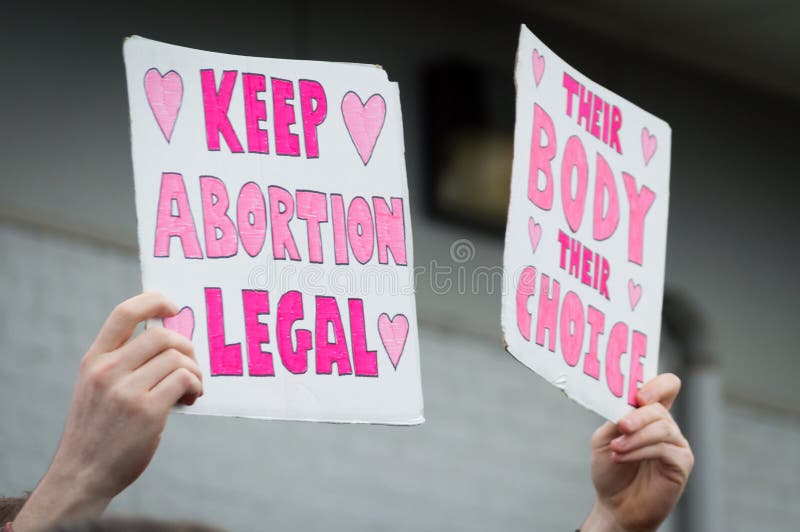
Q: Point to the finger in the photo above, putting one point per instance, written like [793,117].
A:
[662,389]
[149,344]
[147,376]
[641,417]
[679,457]
[604,434]
[123,320]
[178,384]
[660,431]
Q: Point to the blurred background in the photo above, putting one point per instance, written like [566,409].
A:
[501,449]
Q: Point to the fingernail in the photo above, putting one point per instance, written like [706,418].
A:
[619,441]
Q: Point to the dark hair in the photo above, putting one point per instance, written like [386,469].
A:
[10,507]
[131,524]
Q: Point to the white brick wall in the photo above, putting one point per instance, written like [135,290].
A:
[500,449]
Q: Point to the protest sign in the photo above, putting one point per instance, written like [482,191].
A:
[586,235]
[272,208]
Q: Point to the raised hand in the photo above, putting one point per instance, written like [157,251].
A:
[124,391]
[641,464]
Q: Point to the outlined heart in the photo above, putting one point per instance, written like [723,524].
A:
[538,66]
[394,332]
[535,233]
[182,322]
[649,145]
[634,293]
[364,122]
[164,94]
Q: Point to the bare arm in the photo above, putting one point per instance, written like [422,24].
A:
[122,397]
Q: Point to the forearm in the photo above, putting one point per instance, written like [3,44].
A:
[59,496]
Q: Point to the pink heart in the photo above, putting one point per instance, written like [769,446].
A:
[394,332]
[164,94]
[538,67]
[649,145]
[535,232]
[634,293]
[182,322]
[364,121]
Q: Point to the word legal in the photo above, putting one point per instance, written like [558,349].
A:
[293,341]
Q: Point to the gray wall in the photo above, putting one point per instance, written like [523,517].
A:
[500,450]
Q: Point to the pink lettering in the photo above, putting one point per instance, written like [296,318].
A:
[215,107]
[541,158]
[174,218]
[220,232]
[259,361]
[286,142]
[314,108]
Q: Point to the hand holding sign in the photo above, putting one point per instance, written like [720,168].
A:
[123,394]
[640,466]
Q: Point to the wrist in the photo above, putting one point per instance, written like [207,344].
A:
[600,519]
[60,495]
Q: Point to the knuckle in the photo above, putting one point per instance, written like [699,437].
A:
[85,364]
[689,459]
[162,336]
[99,373]
[174,358]
[120,397]
[597,435]
[124,311]
[660,410]
[187,379]
[665,430]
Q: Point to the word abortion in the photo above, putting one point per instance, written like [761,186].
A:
[366,229]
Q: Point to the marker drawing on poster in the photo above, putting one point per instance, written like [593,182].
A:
[586,236]
[273,209]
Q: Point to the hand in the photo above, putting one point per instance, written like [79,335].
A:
[640,466]
[119,409]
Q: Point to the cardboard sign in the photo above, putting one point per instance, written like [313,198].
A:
[273,208]
[586,235]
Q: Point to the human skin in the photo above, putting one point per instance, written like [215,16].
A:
[125,389]
[640,465]
[123,394]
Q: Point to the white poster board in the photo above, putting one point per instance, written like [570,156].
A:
[586,236]
[272,207]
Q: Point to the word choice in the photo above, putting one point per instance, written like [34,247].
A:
[362,228]
[568,328]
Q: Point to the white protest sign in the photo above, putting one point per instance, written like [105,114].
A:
[273,208]
[586,236]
